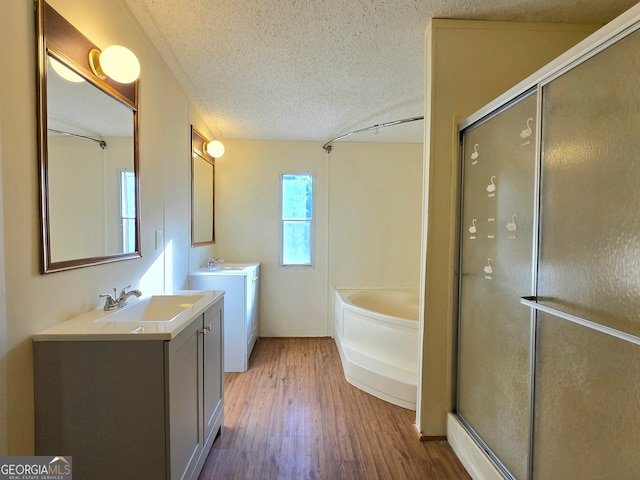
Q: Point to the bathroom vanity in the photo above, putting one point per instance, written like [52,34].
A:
[240,281]
[133,393]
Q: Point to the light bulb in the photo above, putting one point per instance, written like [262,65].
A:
[214,149]
[116,62]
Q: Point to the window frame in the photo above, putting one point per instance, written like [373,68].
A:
[311,221]
[124,175]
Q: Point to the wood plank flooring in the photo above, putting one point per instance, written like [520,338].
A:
[293,416]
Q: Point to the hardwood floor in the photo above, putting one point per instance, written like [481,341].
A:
[293,415]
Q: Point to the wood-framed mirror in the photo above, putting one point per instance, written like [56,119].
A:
[88,153]
[202,192]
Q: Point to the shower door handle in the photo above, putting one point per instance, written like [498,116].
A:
[532,302]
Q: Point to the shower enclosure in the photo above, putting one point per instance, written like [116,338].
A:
[548,363]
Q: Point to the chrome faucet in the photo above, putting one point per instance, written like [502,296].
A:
[110,303]
[113,303]
[211,262]
[122,299]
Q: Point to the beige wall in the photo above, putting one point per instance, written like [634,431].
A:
[375,213]
[292,301]
[367,210]
[468,63]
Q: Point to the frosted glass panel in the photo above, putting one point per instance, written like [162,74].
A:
[590,211]
[496,250]
[587,422]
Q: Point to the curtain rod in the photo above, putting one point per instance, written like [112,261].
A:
[102,143]
[327,146]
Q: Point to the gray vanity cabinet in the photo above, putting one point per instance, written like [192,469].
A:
[183,359]
[195,382]
[132,409]
[213,376]
[194,362]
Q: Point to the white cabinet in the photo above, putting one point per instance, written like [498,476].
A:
[241,326]
[126,408]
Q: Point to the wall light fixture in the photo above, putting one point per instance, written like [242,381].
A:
[214,149]
[116,62]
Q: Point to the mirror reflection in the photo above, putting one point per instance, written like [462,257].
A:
[202,192]
[91,179]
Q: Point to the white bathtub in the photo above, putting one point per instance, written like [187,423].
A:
[377,337]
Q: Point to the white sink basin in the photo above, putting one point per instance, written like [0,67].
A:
[157,308]
[227,267]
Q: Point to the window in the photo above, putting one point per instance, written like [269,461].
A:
[128,210]
[297,220]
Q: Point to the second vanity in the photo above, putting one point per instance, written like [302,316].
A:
[240,281]
[134,393]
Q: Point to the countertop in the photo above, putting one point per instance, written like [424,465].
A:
[227,269]
[95,325]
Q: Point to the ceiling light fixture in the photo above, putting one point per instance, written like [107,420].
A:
[116,62]
[214,149]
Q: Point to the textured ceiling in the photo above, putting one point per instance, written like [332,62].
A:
[316,69]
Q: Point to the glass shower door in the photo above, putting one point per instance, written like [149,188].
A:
[587,401]
[549,384]
[494,336]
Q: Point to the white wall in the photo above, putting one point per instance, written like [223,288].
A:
[468,64]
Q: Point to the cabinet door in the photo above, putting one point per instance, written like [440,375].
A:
[103,403]
[212,371]
[184,361]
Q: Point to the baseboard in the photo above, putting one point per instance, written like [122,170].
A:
[428,438]
[469,453]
